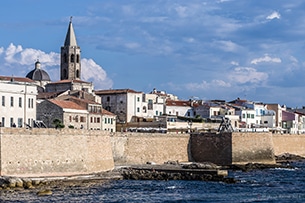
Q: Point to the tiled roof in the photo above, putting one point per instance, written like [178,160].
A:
[115,91]
[177,103]
[66,104]
[107,112]
[48,95]
[17,79]
[69,81]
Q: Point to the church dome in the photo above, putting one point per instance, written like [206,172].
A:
[38,74]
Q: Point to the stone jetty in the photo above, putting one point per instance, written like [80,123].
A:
[177,171]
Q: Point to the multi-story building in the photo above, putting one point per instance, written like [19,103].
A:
[18,101]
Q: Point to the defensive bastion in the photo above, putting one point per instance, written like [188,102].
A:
[51,152]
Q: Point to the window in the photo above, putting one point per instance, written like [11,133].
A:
[91,119]
[3,100]
[138,109]
[77,58]
[98,120]
[111,121]
[3,122]
[32,103]
[20,102]
[72,58]
[65,58]
[77,73]
[105,120]
[20,122]
[82,119]
[150,104]
[12,101]
[29,103]
[157,113]
[248,115]
[138,99]
[252,115]
[108,99]
[70,118]
[244,115]
[12,122]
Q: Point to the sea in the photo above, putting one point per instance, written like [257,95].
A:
[268,185]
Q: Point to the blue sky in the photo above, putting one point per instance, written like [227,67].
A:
[220,49]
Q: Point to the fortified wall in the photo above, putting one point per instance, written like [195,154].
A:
[140,148]
[233,148]
[51,152]
[289,143]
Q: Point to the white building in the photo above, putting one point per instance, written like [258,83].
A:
[18,101]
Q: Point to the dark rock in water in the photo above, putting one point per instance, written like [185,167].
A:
[286,157]
[204,165]
[44,192]
[257,166]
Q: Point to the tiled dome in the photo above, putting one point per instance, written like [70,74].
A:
[37,74]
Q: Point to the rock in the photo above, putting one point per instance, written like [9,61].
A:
[12,182]
[19,183]
[27,183]
[205,165]
[35,182]
[44,192]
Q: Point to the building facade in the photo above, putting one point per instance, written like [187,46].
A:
[18,101]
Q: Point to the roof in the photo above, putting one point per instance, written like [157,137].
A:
[70,37]
[115,91]
[48,95]
[38,74]
[66,104]
[177,103]
[69,81]
[16,79]
[105,112]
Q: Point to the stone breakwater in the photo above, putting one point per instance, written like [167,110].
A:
[193,171]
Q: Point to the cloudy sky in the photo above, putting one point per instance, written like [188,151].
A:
[206,49]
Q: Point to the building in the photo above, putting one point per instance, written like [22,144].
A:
[39,76]
[18,101]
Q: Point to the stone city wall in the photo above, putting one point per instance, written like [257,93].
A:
[140,148]
[233,148]
[51,152]
[286,143]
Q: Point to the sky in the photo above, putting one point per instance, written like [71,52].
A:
[200,49]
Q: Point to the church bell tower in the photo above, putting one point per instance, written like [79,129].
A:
[70,63]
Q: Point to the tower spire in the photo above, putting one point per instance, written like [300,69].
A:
[70,65]
[70,37]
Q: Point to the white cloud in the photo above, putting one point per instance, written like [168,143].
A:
[246,74]
[234,63]
[266,58]
[227,46]
[273,15]
[204,85]
[93,72]
[19,61]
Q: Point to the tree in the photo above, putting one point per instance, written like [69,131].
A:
[58,124]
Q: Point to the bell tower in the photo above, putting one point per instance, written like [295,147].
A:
[70,63]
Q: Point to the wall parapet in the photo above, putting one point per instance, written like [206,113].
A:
[51,152]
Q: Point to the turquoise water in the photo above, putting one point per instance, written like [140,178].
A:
[270,185]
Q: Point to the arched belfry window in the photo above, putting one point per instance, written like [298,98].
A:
[77,58]
[72,58]
[65,58]
[77,73]
[65,73]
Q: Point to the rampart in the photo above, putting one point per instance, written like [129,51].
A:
[140,148]
[233,148]
[51,152]
[289,143]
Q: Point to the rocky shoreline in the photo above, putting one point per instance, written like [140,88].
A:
[171,170]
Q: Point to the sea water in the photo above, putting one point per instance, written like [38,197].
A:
[269,185]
